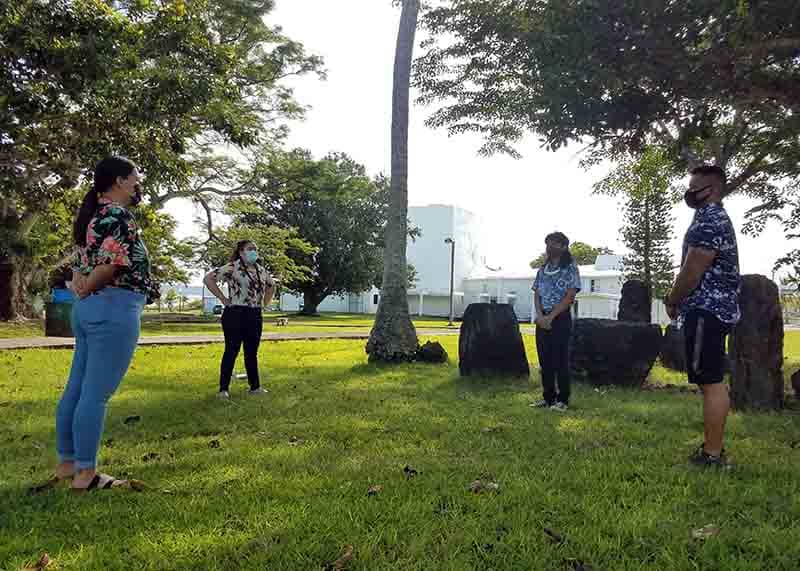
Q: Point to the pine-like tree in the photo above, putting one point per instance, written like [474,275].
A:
[644,184]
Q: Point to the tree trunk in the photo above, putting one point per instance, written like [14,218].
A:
[14,284]
[311,300]
[393,336]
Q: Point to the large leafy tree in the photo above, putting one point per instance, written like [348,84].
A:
[159,81]
[393,336]
[712,81]
[333,205]
[582,253]
[643,185]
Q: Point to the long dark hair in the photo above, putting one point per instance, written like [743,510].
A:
[105,175]
[237,251]
[566,258]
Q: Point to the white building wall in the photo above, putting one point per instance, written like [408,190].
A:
[499,290]
[429,253]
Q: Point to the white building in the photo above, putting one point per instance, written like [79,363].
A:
[474,282]
[430,255]
[601,286]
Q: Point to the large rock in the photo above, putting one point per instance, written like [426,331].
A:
[608,352]
[490,342]
[673,349]
[757,347]
[796,384]
[432,352]
[635,304]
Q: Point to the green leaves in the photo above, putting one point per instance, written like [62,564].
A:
[702,81]
[82,79]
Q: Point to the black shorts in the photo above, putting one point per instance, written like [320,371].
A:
[705,347]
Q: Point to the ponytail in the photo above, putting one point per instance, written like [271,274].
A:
[85,215]
[106,174]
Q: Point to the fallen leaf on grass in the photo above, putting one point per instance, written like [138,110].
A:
[479,486]
[166,436]
[410,472]
[554,536]
[343,562]
[132,419]
[214,444]
[295,441]
[42,563]
[137,485]
[150,456]
[705,532]
[374,490]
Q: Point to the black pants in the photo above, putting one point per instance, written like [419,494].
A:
[241,325]
[553,349]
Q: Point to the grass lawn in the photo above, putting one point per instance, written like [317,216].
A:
[281,483]
[329,322]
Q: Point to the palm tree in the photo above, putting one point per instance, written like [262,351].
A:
[393,336]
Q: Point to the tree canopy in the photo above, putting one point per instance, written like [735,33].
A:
[582,253]
[334,206]
[705,81]
[159,81]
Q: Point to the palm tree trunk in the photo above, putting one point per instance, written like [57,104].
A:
[393,337]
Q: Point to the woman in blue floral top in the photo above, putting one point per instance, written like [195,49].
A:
[111,277]
[554,290]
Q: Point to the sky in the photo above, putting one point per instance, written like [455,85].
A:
[519,200]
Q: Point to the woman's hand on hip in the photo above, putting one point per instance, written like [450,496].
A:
[80,285]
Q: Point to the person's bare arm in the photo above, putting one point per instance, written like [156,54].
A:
[269,293]
[698,260]
[84,286]
[211,283]
[563,305]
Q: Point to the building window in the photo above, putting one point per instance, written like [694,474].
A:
[593,286]
[375,298]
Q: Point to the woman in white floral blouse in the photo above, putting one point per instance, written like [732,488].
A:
[250,287]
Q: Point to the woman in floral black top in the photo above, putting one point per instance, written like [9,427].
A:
[249,286]
[111,276]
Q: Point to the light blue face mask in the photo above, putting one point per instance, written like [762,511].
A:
[251,256]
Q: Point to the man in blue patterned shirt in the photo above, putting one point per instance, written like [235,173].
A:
[706,299]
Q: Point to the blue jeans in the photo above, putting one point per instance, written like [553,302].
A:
[106,327]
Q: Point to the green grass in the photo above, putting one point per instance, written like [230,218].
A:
[609,476]
[297,324]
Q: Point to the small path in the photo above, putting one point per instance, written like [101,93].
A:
[69,342]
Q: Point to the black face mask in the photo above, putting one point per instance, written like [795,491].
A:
[136,199]
[692,197]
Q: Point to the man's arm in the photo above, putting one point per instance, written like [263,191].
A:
[698,260]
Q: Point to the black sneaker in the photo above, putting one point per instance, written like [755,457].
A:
[703,458]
